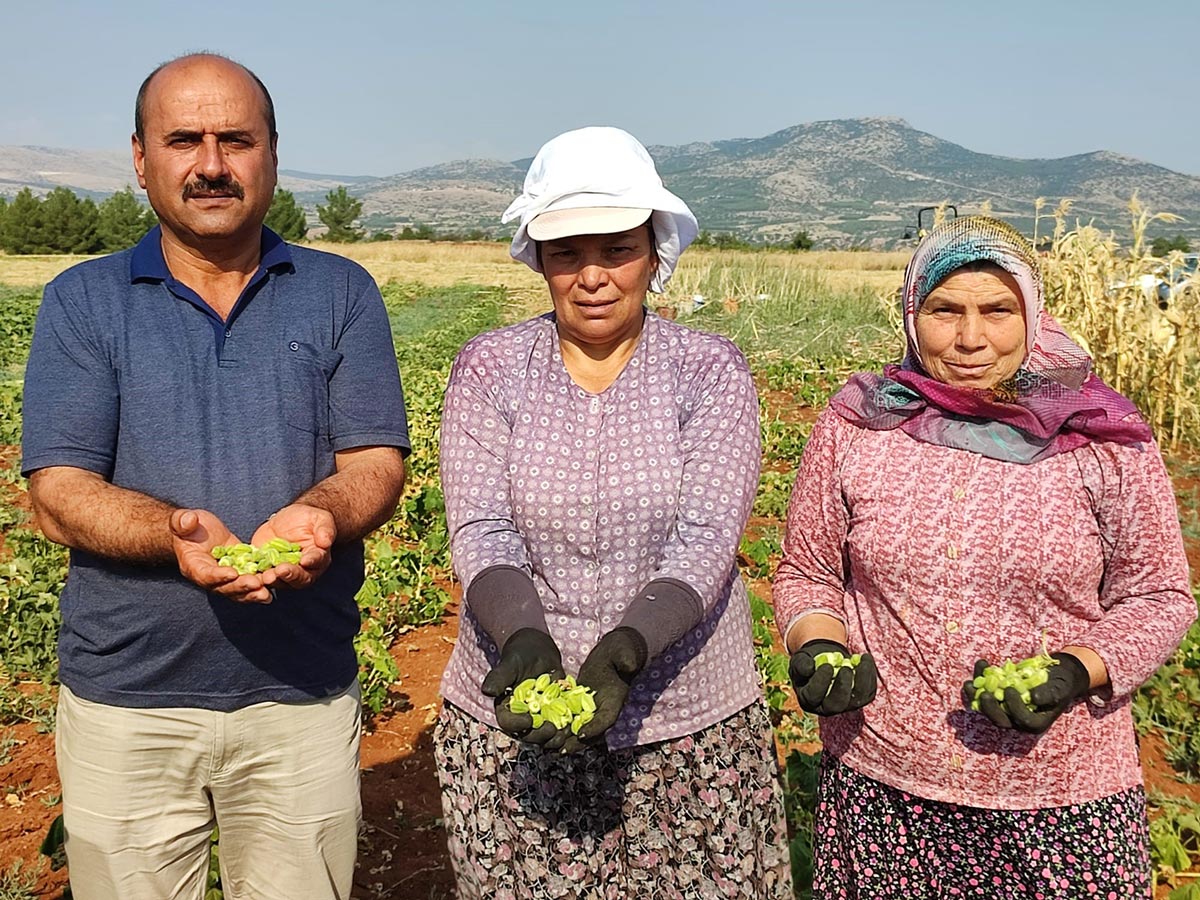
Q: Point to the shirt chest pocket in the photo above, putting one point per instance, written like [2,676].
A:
[305,373]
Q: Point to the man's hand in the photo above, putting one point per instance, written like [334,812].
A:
[194,532]
[314,529]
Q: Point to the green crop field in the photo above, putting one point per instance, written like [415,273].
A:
[804,321]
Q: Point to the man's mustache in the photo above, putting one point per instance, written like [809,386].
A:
[220,187]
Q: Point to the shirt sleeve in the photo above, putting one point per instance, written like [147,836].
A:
[1147,605]
[812,573]
[473,460]
[71,405]
[366,400]
[721,450]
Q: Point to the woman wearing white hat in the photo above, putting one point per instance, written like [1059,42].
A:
[599,464]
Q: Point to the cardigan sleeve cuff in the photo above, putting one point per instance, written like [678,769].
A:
[503,600]
[662,612]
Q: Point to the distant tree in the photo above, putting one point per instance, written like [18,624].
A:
[68,223]
[729,241]
[123,221]
[381,236]
[338,216]
[3,210]
[703,239]
[21,230]
[1162,245]
[801,241]
[422,232]
[286,218]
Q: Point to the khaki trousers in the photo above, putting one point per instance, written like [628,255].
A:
[143,789]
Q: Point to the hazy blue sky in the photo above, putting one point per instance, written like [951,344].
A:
[377,88]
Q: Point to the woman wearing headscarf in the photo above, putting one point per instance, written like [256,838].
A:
[988,499]
[599,464]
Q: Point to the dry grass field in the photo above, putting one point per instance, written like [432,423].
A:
[721,273]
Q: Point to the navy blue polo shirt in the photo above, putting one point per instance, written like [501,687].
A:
[133,376]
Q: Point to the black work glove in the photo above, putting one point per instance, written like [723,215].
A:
[528,653]
[1068,681]
[819,690]
[608,670]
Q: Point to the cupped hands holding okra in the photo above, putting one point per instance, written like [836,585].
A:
[538,704]
[1027,695]
[195,532]
[829,680]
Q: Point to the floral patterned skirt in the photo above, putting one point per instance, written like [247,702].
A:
[871,840]
[696,817]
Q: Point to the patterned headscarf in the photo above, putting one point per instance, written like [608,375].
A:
[1051,405]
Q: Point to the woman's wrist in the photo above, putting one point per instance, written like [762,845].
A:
[1097,671]
[812,627]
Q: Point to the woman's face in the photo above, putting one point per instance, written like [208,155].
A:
[598,283]
[971,329]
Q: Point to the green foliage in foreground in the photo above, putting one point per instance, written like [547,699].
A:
[1174,839]
[32,579]
[800,800]
[17,883]
[18,310]
[1169,703]
[408,560]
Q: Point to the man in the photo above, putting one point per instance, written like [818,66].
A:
[211,385]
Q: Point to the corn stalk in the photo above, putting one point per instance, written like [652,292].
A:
[1107,298]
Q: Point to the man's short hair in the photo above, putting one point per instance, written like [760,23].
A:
[140,104]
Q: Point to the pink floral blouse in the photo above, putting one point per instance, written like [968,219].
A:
[935,557]
[594,495]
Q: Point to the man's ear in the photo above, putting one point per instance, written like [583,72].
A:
[139,161]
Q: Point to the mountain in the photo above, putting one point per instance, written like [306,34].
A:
[848,182]
[99,173]
[94,173]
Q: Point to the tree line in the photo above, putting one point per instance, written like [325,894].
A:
[63,222]
[341,211]
[728,241]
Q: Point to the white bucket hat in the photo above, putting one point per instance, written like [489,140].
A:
[598,180]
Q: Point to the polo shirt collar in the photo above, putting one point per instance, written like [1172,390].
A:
[149,264]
